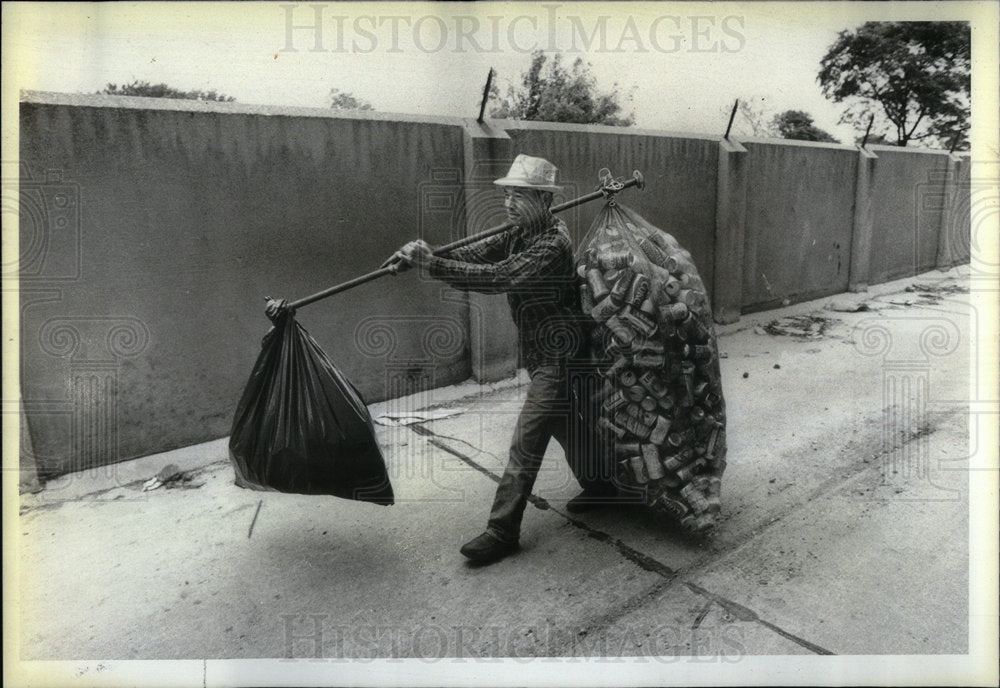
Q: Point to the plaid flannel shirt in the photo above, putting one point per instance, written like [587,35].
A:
[536,271]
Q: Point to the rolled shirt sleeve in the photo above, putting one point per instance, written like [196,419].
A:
[536,271]
[488,250]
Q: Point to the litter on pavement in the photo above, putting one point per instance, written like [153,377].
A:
[396,419]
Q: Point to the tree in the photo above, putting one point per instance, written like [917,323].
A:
[795,124]
[914,76]
[341,100]
[753,113]
[148,90]
[551,92]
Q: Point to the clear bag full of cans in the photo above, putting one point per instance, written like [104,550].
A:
[661,407]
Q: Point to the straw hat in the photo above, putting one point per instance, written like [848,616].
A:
[531,173]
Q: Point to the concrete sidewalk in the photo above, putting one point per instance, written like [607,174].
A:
[844,531]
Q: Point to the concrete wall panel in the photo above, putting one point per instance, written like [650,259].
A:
[800,204]
[142,318]
[907,202]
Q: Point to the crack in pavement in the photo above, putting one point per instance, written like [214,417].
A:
[638,558]
[468,460]
[856,471]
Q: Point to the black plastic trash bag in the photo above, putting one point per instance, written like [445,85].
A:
[302,427]
[653,340]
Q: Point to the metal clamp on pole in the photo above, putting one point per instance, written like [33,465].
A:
[610,186]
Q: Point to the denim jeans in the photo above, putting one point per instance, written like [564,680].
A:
[545,414]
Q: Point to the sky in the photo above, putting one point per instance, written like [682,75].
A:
[681,64]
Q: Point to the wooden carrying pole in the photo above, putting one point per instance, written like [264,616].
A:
[607,189]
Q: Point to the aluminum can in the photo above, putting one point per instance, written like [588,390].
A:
[638,469]
[651,458]
[632,426]
[627,449]
[687,472]
[598,287]
[714,493]
[654,361]
[637,413]
[652,382]
[615,260]
[614,402]
[695,498]
[688,297]
[655,254]
[677,312]
[635,393]
[604,309]
[660,430]
[674,507]
[671,288]
[608,425]
[674,462]
[638,291]
[648,346]
[586,300]
[638,321]
[620,290]
[695,331]
[622,333]
[677,264]
[680,438]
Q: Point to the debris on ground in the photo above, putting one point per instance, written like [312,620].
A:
[409,418]
[929,294]
[802,326]
[941,288]
[254,521]
[848,306]
[170,476]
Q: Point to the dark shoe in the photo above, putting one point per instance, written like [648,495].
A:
[589,500]
[486,548]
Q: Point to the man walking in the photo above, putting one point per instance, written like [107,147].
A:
[533,264]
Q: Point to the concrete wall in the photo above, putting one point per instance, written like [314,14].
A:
[908,198]
[799,208]
[151,229]
[186,220]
